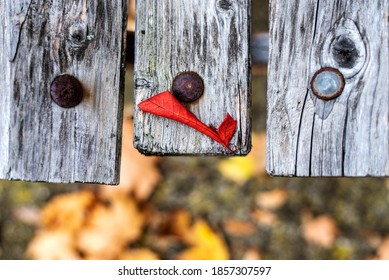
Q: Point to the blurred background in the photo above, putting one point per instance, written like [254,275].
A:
[197,207]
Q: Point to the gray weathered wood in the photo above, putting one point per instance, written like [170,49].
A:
[40,141]
[347,136]
[209,37]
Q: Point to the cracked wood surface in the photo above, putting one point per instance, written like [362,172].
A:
[40,141]
[347,136]
[210,38]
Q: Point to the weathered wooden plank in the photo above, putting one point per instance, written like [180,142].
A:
[39,40]
[210,38]
[345,136]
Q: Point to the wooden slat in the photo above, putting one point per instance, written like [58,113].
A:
[347,136]
[210,38]
[40,141]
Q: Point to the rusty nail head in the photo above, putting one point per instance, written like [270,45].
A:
[66,91]
[327,83]
[188,86]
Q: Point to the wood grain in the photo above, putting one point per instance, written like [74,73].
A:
[347,136]
[40,141]
[211,38]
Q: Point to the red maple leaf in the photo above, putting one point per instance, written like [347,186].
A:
[166,105]
[227,129]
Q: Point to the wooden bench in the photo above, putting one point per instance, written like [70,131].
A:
[40,140]
[349,134]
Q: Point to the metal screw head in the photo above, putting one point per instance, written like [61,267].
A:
[327,83]
[66,91]
[188,86]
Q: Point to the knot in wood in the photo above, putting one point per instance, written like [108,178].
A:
[188,86]
[224,5]
[345,52]
[78,38]
[66,91]
[344,48]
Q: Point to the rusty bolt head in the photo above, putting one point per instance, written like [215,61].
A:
[66,91]
[327,83]
[187,86]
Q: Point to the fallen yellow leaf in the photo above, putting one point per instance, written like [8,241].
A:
[242,169]
[52,245]
[238,227]
[238,169]
[206,244]
[321,231]
[272,200]
[138,254]
[383,250]
[264,217]
[67,211]
[252,254]
[110,228]
[180,222]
